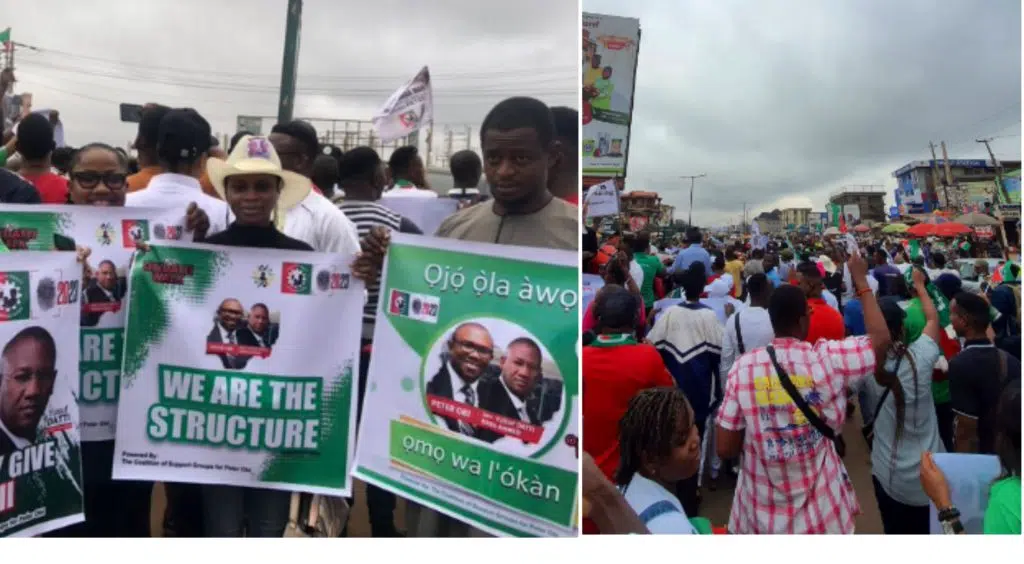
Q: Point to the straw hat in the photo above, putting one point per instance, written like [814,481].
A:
[256,155]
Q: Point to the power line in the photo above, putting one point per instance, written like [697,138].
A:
[270,76]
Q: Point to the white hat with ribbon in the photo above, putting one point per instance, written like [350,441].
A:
[256,155]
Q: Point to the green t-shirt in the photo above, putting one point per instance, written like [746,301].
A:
[1002,516]
[3,156]
[651,267]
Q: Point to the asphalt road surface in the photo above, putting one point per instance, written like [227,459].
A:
[716,504]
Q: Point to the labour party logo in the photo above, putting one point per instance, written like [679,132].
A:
[296,278]
[134,231]
[15,302]
[398,304]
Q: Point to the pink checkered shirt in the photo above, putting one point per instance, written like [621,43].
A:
[792,480]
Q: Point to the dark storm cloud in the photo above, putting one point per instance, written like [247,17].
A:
[782,102]
[228,56]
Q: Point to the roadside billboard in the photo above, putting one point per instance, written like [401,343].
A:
[610,46]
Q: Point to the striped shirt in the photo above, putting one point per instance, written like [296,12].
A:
[367,215]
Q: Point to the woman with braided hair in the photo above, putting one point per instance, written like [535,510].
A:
[659,446]
[905,424]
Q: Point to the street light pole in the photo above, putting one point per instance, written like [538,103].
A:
[689,215]
[289,68]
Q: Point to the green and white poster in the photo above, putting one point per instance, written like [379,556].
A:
[40,450]
[110,235]
[472,401]
[239,369]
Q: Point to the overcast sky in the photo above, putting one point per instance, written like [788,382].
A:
[227,56]
[781,102]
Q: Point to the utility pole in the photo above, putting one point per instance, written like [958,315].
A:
[935,174]
[289,68]
[689,215]
[999,169]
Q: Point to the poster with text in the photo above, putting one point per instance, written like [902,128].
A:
[239,369]
[110,235]
[610,48]
[472,401]
[40,450]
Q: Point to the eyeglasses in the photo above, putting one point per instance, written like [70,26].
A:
[89,180]
[479,349]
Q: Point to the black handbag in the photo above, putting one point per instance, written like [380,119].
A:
[801,404]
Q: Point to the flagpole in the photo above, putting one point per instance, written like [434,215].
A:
[430,141]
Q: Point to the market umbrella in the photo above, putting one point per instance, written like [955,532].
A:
[922,230]
[832,231]
[862,228]
[951,229]
[895,228]
[977,220]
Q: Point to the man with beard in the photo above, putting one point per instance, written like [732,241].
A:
[104,289]
[520,374]
[27,374]
[259,328]
[470,352]
[226,331]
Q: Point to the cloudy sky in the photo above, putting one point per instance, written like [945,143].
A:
[781,102]
[223,57]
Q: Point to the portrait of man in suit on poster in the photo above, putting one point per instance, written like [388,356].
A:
[470,351]
[28,371]
[227,329]
[258,324]
[106,287]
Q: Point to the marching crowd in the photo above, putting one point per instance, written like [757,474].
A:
[287,191]
[747,356]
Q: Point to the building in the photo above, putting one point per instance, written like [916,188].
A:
[921,185]
[794,218]
[770,223]
[817,221]
[859,203]
[640,209]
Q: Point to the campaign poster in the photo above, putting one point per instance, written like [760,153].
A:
[239,369]
[110,234]
[40,449]
[472,399]
[610,49]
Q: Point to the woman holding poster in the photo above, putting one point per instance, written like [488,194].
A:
[251,181]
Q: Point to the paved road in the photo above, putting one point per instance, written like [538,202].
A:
[716,504]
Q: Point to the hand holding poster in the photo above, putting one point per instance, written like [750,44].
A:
[237,369]
[110,235]
[970,477]
[602,200]
[40,452]
[472,397]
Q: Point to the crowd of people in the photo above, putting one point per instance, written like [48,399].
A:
[306,196]
[746,357]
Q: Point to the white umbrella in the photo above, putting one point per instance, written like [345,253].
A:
[976,220]
[832,231]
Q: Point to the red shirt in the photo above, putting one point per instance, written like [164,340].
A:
[52,188]
[608,387]
[826,323]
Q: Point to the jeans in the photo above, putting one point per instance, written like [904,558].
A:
[900,518]
[113,508]
[379,502]
[233,511]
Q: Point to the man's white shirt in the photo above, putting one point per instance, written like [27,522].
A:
[458,384]
[173,191]
[320,224]
[519,404]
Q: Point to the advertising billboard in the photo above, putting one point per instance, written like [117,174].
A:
[610,46]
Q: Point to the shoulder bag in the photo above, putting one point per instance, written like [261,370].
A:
[739,335]
[869,430]
[813,418]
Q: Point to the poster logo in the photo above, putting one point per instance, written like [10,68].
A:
[418,307]
[327,280]
[15,301]
[296,278]
[105,234]
[399,303]
[134,230]
[263,276]
[171,232]
[409,119]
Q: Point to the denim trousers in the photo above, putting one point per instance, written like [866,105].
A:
[234,511]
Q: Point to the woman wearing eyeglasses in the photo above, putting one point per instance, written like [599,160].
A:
[98,177]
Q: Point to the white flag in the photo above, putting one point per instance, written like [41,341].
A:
[602,200]
[407,109]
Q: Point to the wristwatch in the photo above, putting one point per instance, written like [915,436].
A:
[949,518]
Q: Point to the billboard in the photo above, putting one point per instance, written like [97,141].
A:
[610,45]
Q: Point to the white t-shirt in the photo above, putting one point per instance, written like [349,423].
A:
[319,223]
[637,273]
[657,507]
[174,191]
[412,192]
